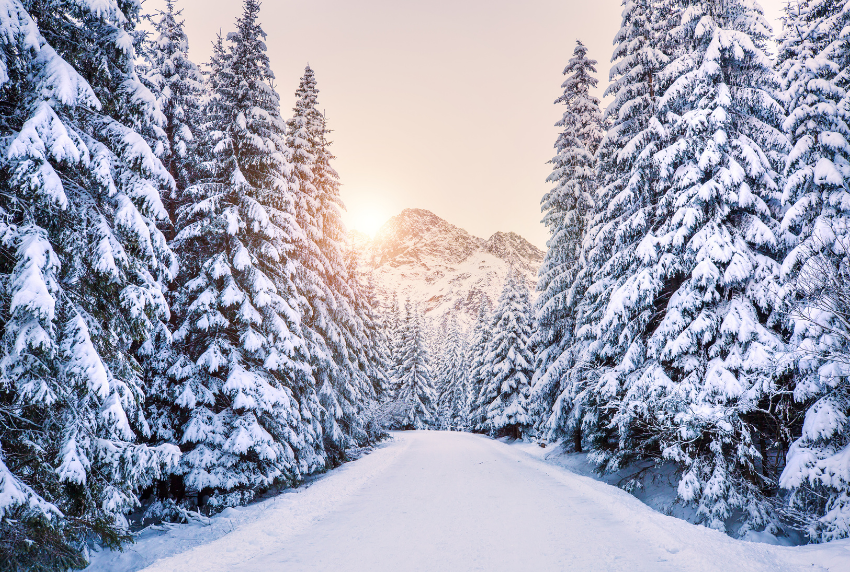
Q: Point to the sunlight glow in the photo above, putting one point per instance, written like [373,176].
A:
[367,219]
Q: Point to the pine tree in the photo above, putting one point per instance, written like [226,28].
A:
[452,404]
[366,342]
[395,332]
[178,86]
[377,344]
[415,393]
[566,208]
[439,350]
[84,269]
[478,373]
[442,351]
[332,329]
[213,115]
[690,327]
[509,362]
[570,395]
[241,353]
[367,372]
[814,59]
[625,198]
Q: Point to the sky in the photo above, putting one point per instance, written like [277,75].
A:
[445,105]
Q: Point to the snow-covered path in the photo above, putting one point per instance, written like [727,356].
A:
[454,501]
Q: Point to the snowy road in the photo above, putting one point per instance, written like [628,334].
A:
[454,501]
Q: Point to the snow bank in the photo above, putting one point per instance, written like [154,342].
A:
[657,491]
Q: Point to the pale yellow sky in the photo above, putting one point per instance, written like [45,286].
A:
[441,104]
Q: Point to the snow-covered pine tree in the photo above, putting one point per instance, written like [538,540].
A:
[395,333]
[241,351]
[689,330]
[814,59]
[415,394]
[375,330]
[442,351]
[566,209]
[452,403]
[459,411]
[509,362]
[330,325]
[438,349]
[367,369]
[366,340]
[178,86]
[478,374]
[620,217]
[326,182]
[211,120]
[84,266]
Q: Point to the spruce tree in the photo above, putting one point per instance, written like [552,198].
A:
[331,327]
[241,353]
[178,86]
[625,197]
[377,342]
[452,380]
[395,331]
[440,352]
[509,362]
[415,394]
[690,329]
[566,209]
[84,269]
[366,372]
[570,393]
[478,373]
[814,59]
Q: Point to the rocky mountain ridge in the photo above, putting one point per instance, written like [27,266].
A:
[442,267]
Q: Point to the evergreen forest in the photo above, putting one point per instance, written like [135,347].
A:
[185,327]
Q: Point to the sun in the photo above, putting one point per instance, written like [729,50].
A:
[366,219]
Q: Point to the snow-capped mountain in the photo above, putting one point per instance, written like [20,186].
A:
[442,267]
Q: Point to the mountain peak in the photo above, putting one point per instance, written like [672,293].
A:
[419,255]
[419,221]
[415,233]
[513,248]
[420,214]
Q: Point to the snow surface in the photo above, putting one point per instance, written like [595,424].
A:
[456,501]
[655,486]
